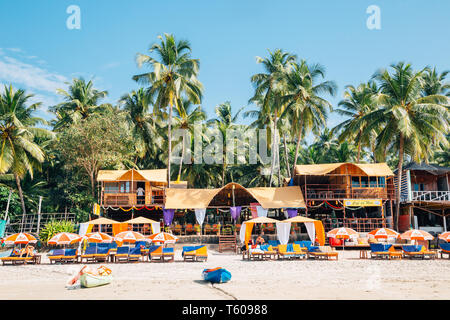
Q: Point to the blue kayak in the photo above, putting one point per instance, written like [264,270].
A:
[217,275]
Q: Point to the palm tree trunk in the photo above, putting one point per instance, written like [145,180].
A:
[272,167]
[22,201]
[286,155]
[169,132]
[399,180]
[358,157]
[181,160]
[91,177]
[279,165]
[297,147]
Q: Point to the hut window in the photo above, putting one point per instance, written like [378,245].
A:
[125,187]
[355,182]
[373,182]
[381,182]
[364,182]
[111,187]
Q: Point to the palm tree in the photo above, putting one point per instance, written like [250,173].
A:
[185,118]
[173,75]
[268,89]
[81,100]
[19,153]
[357,103]
[304,105]
[434,83]
[144,126]
[410,122]
[225,120]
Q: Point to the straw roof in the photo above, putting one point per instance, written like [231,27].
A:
[102,220]
[299,219]
[371,169]
[268,198]
[156,175]
[262,220]
[140,220]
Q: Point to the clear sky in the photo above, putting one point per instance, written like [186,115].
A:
[39,53]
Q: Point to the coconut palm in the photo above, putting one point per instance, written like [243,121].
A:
[174,74]
[80,101]
[434,83]
[269,87]
[144,126]
[304,105]
[225,121]
[410,123]
[19,153]
[357,103]
[185,119]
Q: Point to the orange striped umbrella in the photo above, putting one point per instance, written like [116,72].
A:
[415,234]
[99,237]
[383,233]
[445,236]
[342,233]
[129,236]
[65,238]
[163,237]
[20,238]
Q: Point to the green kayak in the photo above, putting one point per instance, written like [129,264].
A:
[89,281]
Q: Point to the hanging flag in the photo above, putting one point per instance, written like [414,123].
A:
[168,216]
[254,210]
[235,212]
[96,209]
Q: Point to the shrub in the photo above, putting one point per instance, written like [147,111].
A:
[54,227]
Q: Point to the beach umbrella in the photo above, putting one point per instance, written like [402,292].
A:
[415,234]
[163,237]
[20,238]
[383,233]
[445,236]
[129,236]
[342,233]
[64,238]
[99,237]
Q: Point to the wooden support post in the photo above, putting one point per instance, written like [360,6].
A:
[39,215]
[7,205]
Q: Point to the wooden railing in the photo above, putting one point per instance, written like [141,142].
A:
[437,196]
[357,224]
[330,191]
[130,199]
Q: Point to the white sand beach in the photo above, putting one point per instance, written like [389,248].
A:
[347,278]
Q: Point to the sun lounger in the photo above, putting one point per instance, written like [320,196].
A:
[70,255]
[325,253]
[135,254]
[298,251]
[269,252]
[255,253]
[413,251]
[445,249]
[143,246]
[283,252]
[274,244]
[195,253]
[122,254]
[102,254]
[88,254]
[380,250]
[56,255]
[307,245]
[168,254]
[24,256]
[156,253]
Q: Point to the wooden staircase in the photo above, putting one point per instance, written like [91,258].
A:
[228,243]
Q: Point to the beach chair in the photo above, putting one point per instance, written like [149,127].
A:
[70,256]
[413,251]
[56,255]
[178,229]
[168,254]
[274,244]
[23,256]
[88,254]
[156,253]
[307,246]
[207,228]
[269,252]
[189,229]
[299,252]
[188,253]
[134,254]
[215,228]
[102,254]
[324,253]
[380,250]
[284,253]
[122,254]
[201,254]
[255,253]
[445,249]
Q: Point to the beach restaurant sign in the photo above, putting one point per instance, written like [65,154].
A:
[363,203]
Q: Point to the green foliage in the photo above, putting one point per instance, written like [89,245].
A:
[14,205]
[54,227]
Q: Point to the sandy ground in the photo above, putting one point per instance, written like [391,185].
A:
[348,278]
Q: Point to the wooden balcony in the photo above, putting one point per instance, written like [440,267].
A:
[357,224]
[131,199]
[339,192]
[431,196]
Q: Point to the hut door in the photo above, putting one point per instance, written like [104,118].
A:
[140,193]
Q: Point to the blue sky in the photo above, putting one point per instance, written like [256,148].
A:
[39,53]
